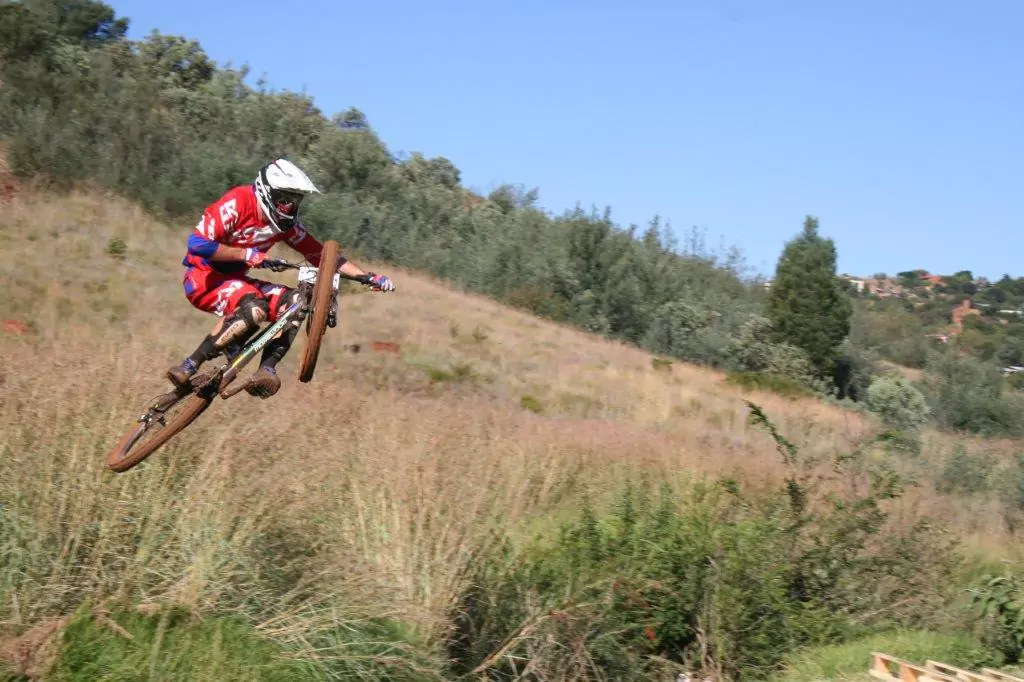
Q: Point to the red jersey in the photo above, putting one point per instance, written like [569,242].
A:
[236,220]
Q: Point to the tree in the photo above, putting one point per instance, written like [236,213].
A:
[175,61]
[806,304]
[30,27]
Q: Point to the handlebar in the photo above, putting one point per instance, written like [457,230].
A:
[278,265]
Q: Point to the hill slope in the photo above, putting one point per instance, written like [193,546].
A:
[380,482]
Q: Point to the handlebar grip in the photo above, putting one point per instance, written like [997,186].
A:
[275,264]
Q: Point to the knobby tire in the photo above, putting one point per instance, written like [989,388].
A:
[317,321]
[119,458]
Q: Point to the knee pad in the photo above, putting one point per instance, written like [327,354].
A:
[251,311]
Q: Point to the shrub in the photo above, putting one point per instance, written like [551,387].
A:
[967,473]
[701,575]
[116,248]
[753,350]
[967,395]
[897,402]
[661,364]
[1000,603]
[531,403]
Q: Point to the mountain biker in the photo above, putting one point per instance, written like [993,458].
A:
[234,234]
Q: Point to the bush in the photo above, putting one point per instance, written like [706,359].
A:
[965,394]
[1000,603]
[1011,492]
[897,402]
[116,248]
[677,578]
[661,364]
[752,350]
[531,403]
[967,473]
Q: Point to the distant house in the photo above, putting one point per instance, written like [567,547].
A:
[962,311]
[883,287]
[859,284]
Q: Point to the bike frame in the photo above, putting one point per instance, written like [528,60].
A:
[231,370]
[306,281]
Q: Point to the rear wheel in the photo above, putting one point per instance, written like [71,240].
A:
[321,307]
[167,416]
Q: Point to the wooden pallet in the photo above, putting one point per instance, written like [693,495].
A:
[1000,677]
[892,668]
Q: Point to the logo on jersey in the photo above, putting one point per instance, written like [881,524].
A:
[228,213]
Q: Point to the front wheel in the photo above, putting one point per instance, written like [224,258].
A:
[323,291]
[167,416]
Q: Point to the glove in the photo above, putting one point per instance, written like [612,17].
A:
[253,257]
[378,282]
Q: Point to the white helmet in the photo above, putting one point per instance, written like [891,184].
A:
[280,187]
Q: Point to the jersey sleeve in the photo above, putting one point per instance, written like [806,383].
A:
[305,243]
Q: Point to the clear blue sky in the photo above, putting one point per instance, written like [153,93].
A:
[899,123]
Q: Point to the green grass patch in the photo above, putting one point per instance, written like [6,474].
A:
[174,645]
[661,364]
[852,660]
[170,646]
[763,381]
[531,403]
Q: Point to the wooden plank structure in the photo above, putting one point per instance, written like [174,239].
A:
[894,669]
[1000,676]
[958,673]
[886,667]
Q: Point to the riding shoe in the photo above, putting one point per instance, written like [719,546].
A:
[264,383]
[179,375]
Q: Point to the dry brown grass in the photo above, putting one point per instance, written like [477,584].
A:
[378,479]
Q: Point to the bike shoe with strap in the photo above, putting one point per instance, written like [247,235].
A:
[264,383]
[179,375]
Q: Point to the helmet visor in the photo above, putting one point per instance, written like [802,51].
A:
[286,202]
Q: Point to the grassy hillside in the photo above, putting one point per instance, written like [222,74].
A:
[357,509]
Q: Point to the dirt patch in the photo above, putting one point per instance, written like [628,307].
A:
[386,347]
[33,653]
[16,327]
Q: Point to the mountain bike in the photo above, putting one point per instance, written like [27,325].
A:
[170,413]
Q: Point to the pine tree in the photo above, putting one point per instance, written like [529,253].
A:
[806,303]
